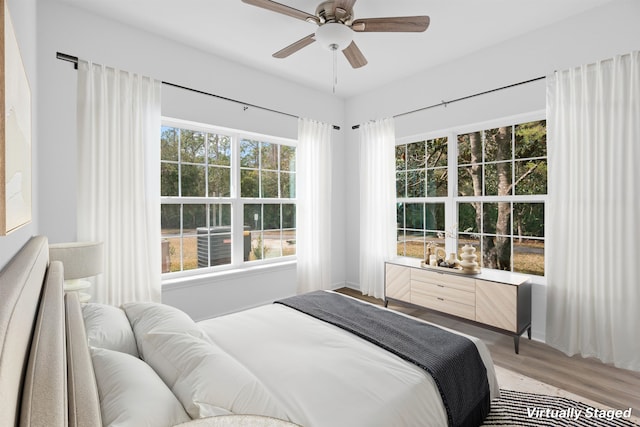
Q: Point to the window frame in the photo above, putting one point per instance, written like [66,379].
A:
[452,199]
[235,200]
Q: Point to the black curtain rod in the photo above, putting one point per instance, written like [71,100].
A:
[445,103]
[74,60]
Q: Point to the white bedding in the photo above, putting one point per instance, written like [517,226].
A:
[324,376]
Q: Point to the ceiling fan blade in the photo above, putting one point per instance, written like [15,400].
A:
[294,47]
[398,24]
[283,9]
[354,56]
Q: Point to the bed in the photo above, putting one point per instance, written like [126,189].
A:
[63,363]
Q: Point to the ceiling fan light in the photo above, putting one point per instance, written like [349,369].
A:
[332,33]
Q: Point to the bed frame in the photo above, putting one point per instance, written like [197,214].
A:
[46,375]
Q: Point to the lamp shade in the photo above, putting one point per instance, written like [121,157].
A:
[333,36]
[80,259]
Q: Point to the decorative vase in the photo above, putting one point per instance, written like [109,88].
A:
[452,260]
[468,263]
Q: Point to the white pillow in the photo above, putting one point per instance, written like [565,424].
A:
[108,327]
[149,317]
[132,394]
[205,378]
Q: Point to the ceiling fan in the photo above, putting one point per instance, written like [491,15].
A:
[336,25]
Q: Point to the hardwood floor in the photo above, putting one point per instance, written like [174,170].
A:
[614,387]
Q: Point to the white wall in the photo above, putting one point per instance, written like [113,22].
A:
[72,31]
[594,35]
[23,14]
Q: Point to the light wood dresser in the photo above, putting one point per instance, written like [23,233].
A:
[497,300]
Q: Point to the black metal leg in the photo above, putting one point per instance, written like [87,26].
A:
[516,343]
[386,302]
[529,332]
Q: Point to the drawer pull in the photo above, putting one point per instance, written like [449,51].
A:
[441,286]
[440,299]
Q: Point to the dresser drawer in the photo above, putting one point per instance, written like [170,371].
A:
[455,308]
[449,280]
[445,292]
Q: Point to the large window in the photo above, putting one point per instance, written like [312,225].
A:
[499,177]
[227,197]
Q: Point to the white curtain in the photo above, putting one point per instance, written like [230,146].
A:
[377,203]
[119,179]
[313,212]
[593,292]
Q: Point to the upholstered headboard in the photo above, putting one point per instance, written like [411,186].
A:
[33,356]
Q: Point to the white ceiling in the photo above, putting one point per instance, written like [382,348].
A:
[249,35]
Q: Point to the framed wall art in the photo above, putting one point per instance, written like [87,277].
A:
[15,131]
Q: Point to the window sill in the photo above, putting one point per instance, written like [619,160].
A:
[208,278]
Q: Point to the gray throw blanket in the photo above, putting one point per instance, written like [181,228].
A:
[452,360]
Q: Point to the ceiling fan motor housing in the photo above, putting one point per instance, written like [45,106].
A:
[328,12]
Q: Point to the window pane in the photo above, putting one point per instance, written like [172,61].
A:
[401,182]
[169,144]
[531,177]
[416,155]
[401,157]
[416,183]
[189,252]
[249,183]
[271,220]
[400,245]
[193,216]
[253,216]
[468,217]
[464,149]
[287,185]
[192,146]
[496,218]
[169,179]
[437,152]
[269,155]
[470,180]
[272,244]
[257,246]
[497,179]
[171,250]
[400,215]
[219,149]
[528,219]
[288,216]
[435,216]
[496,252]
[220,215]
[528,256]
[269,184]
[437,183]
[415,244]
[193,181]
[249,153]
[287,158]
[170,219]
[288,242]
[531,140]
[414,216]
[219,181]
[497,144]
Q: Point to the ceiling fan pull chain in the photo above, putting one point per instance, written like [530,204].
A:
[334,48]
